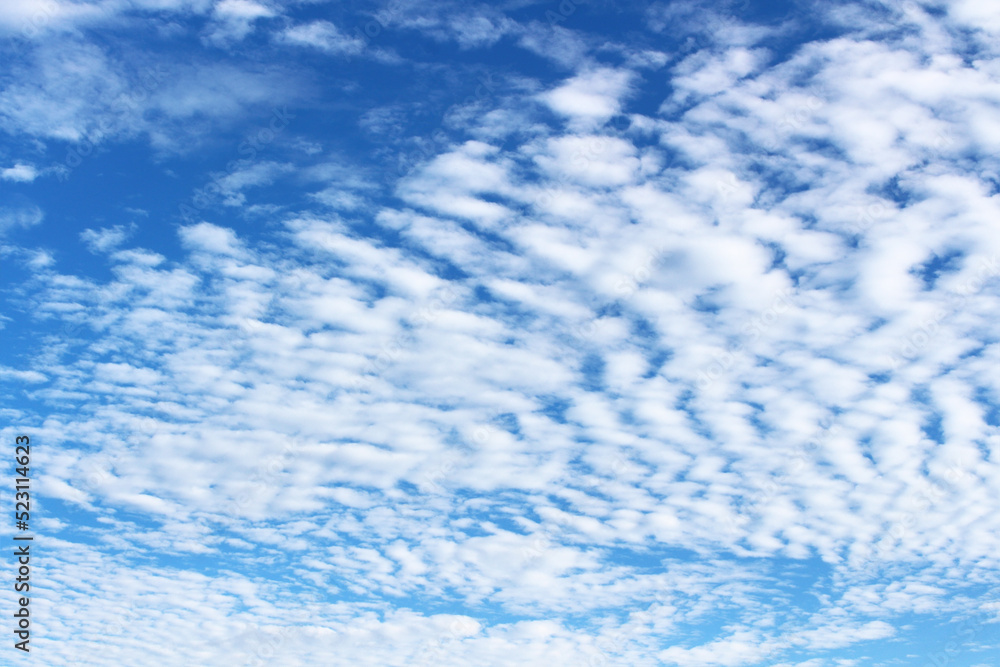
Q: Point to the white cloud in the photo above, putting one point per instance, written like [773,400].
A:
[234,19]
[453,184]
[66,94]
[219,90]
[107,238]
[706,73]
[478,31]
[232,185]
[76,92]
[565,47]
[325,36]
[30,377]
[20,173]
[211,238]
[33,19]
[592,96]
[470,26]
[21,216]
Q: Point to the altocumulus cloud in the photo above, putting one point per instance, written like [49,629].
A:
[684,356]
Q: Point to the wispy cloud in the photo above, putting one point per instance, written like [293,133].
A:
[325,36]
[20,216]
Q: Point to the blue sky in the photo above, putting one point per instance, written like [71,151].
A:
[505,334]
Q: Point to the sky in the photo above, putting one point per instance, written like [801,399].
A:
[573,333]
